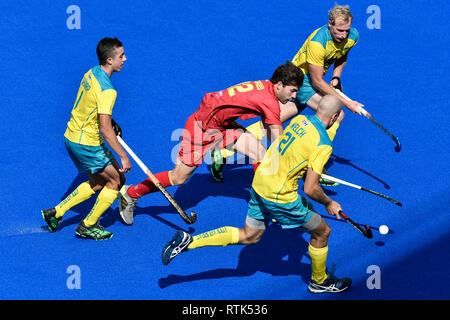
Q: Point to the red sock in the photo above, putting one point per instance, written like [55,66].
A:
[147,186]
[255,166]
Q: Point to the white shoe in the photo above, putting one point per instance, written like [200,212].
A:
[126,205]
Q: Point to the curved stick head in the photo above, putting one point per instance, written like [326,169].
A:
[192,218]
[368,232]
[398,203]
[398,147]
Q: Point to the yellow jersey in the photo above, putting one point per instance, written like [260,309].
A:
[96,95]
[321,50]
[304,144]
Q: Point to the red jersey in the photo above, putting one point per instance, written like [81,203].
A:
[244,101]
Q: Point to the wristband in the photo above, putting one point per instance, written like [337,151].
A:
[339,84]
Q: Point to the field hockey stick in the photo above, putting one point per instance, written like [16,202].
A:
[366,232]
[183,215]
[325,176]
[398,146]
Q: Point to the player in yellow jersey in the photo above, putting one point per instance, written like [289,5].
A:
[303,149]
[326,46]
[89,124]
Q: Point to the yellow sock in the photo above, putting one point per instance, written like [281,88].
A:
[105,199]
[332,130]
[255,129]
[217,237]
[80,194]
[318,263]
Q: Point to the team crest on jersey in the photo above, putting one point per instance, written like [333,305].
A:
[85,84]
[304,123]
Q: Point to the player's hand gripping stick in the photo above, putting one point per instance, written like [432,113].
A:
[366,232]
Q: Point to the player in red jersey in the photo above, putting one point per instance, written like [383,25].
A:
[214,124]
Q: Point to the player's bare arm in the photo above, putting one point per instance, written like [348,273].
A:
[338,68]
[273,131]
[315,192]
[110,137]
[316,73]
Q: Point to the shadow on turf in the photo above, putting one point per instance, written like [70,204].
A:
[82,209]
[238,180]
[236,185]
[334,158]
[279,253]
[202,186]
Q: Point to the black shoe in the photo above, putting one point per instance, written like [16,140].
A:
[177,245]
[96,232]
[51,219]
[331,285]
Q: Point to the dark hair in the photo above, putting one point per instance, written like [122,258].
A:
[105,49]
[289,74]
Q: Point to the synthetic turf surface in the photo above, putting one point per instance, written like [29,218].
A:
[177,51]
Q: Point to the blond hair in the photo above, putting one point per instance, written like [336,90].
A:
[340,12]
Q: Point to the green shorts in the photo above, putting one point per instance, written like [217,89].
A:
[306,90]
[288,215]
[91,159]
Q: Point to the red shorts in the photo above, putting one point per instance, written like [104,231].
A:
[195,142]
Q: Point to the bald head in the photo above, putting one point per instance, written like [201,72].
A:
[328,110]
[329,105]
